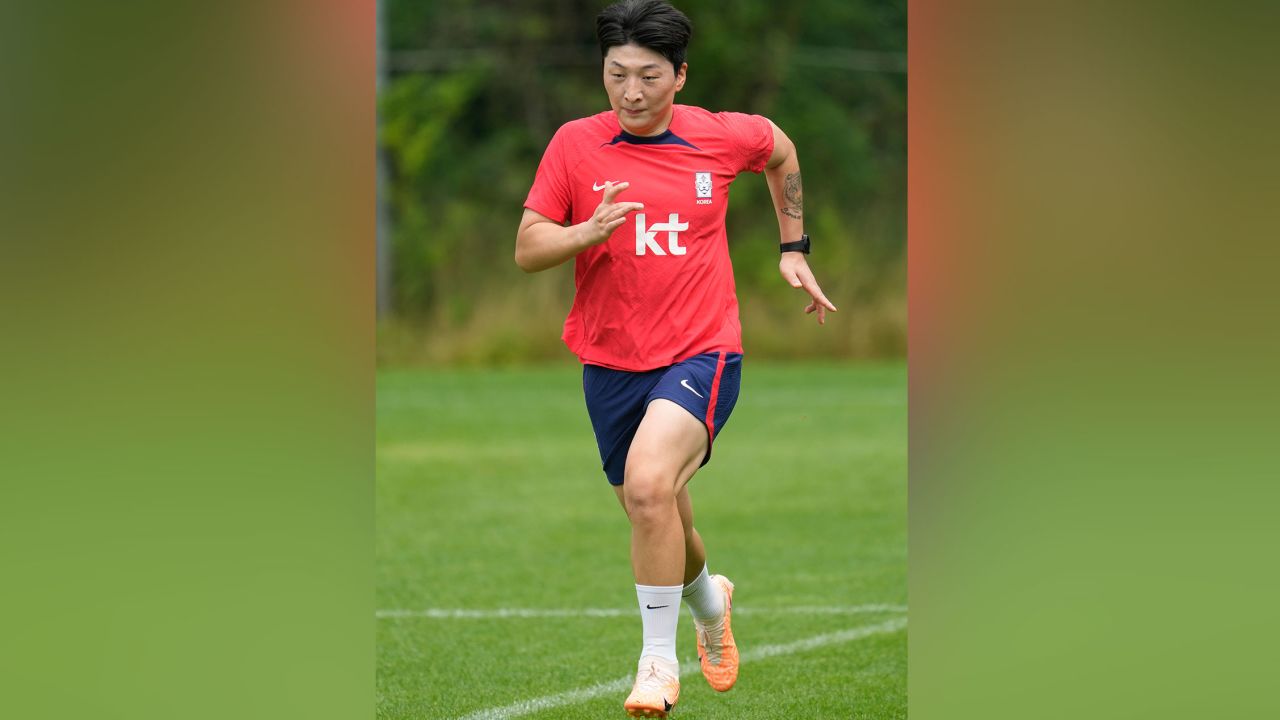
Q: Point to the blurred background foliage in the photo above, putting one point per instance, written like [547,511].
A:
[472,90]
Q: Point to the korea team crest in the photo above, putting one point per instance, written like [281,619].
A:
[702,184]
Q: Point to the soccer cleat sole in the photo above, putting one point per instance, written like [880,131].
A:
[649,712]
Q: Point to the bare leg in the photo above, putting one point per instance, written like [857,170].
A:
[667,450]
[695,553]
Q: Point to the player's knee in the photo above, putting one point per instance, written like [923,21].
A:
[648,496]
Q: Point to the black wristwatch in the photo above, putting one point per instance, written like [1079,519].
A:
[801,245]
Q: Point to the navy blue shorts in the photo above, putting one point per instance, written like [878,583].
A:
[706,385]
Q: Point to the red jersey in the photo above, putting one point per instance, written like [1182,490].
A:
[660,289]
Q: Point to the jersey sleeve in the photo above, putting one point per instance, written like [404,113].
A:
[754,139]
[550,193]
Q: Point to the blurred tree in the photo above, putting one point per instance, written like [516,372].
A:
[477,87]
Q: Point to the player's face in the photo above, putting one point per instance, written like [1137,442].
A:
[642,85]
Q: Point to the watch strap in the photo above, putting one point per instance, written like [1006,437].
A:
[801,245]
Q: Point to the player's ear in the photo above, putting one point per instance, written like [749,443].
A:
[680,75]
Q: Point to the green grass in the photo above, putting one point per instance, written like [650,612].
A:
[490,495]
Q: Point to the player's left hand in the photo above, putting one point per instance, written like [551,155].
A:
[795,270]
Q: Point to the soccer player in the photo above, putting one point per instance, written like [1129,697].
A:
[655,316]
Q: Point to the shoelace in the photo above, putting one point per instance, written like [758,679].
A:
[655,680]
[705,634]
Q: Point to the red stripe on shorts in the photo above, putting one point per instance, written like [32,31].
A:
[711,401]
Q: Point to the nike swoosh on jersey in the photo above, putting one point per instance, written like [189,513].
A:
[689,387]
[598,188]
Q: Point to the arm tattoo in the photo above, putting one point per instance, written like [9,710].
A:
[794,193]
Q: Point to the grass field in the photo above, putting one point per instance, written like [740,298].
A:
[490,500]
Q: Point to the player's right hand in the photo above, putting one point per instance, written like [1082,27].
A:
[609,215]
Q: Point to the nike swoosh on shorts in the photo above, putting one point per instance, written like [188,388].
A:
[689,387]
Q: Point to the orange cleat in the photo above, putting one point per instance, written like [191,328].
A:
[716,648]
[656,691]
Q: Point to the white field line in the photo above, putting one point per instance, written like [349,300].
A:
[572,697]
[505,613]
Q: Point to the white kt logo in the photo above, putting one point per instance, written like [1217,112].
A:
[645,238]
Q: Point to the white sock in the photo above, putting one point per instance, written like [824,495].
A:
[704,598]
[660,613]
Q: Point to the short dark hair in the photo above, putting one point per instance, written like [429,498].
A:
[651,24]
